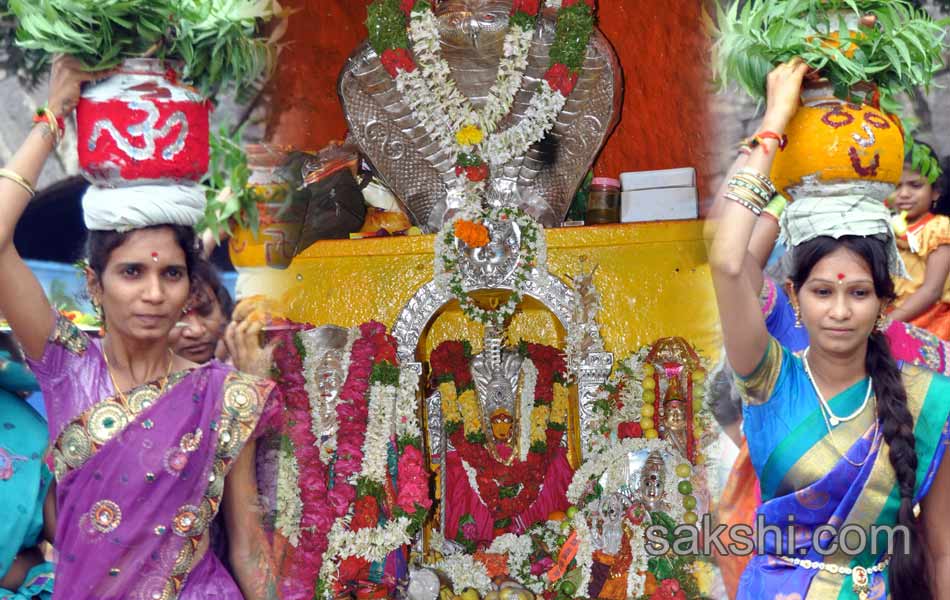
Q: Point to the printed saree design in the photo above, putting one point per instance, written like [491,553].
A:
[808,484]
[140,481]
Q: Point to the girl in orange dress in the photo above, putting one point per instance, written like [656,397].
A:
[924,299]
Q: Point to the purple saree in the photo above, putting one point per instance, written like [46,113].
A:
[140,480]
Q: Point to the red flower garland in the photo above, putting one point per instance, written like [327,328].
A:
[450,361]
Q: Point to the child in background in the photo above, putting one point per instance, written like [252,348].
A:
[924,299]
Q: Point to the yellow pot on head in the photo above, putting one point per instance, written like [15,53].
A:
[832,142]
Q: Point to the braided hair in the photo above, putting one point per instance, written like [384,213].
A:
[908,572]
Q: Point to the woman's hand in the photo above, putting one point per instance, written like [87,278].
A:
[243,342]
[784,90]
[65,83]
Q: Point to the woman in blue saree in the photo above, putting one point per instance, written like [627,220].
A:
[25,482]
[842,438]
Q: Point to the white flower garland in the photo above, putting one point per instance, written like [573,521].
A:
[585,552]
[472,480]
[465,572]
[426,42]
[442,110]
[289,504]
[369,544]
[529,384]
[407,419]
[640,563]
[378,433]
[609,459]
[539,118]
[518,548]
[389,406]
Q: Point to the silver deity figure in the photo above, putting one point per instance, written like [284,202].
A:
[419,170]
[607,523]
[495,372]
[651,485]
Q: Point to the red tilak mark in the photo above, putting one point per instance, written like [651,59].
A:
[864,171]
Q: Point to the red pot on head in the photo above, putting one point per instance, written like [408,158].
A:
[142,126]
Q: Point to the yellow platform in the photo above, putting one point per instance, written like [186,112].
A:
[653,279]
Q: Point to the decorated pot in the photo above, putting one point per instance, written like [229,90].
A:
[141,126]
[279,231]
[836,145]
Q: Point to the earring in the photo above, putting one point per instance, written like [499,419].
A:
[798,316]
[881,323]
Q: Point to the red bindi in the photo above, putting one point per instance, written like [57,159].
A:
[840,277]
[154,256]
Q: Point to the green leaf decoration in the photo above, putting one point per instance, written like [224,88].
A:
[219,42]
[900,52]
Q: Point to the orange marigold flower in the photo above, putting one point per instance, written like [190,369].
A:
[475,235]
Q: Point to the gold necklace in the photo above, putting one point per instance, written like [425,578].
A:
[115,384]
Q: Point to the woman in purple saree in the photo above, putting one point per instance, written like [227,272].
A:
[848,445]
[147,446]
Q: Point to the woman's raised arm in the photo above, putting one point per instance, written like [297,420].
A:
[743,326]
[22,300]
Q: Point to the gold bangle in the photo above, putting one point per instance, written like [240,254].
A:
[765,181]
[747,195]
[19,180]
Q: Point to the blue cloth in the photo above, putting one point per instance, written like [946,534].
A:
[811,477]
[780,321]
[37,584]
[24,476]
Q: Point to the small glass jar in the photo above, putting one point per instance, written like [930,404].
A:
[603,204]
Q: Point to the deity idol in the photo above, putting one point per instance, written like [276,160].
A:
[505,412]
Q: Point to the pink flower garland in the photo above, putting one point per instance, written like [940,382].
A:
[323,504]
[352,413]
[303,563]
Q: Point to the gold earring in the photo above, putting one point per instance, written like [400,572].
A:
[881,323]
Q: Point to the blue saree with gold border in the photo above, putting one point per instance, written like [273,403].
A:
[812,477]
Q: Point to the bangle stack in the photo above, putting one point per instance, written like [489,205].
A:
[57,125]
[750,189]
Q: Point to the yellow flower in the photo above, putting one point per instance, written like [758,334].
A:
[468,404]
[470,135]
[703,572]
[559,406]
[539,423]
[450,407]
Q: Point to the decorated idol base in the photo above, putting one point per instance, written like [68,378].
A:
[489,467]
